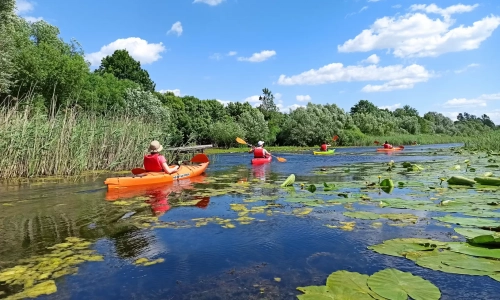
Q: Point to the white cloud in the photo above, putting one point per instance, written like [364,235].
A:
[23,6]
[475,102]
[224,102]
[446,12]
[396,6]
[417,35]
[390,107]
[362,8]
[372,59]
[176,28]
[252,99]
[289,108]
[176,92]
[303,98]
[33,19]
[466,68]
[259,56]
[138,48]
[209,2]
[396,76]
[232,53]
[373,0]
[215,56]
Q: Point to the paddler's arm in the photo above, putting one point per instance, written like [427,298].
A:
[251,150]
[169,170]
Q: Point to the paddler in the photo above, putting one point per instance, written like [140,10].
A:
[155,162]
[387,145]
[259,151]
[324,147]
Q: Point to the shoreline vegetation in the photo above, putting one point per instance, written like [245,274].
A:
[59,117]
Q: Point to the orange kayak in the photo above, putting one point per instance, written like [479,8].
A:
[390,150]
[150,178]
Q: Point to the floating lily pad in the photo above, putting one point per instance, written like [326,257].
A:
[365,215]
[474,250]
[474,222]
[398,285]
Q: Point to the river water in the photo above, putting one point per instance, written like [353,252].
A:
[265,259]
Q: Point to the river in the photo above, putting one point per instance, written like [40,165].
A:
[264,258]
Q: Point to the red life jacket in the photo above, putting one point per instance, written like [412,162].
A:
[387,146]
[323,147]
[258,153]
[152,163]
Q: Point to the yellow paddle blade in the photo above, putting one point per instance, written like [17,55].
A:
[240,141]
[281,159]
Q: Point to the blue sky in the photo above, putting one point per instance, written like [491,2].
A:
[433,55]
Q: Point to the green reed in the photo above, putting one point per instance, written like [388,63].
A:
[69,142]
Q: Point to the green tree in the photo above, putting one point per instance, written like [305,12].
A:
[364,106]
[123,66]
[267,107]
[407,111]
[224,132]
[7,19]
[46,65]
[254,126]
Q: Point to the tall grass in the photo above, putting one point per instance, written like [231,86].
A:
[407,139]
[68,142]
[486,141]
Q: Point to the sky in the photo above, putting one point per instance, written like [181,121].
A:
[437,56]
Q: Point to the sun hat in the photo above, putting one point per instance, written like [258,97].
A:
[155,146]
[260,143]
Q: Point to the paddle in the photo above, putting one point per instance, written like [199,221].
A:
[198,158]
[241,141]
[335,138]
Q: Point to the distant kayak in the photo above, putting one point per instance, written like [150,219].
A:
[390,150]
[261,161]
[328,152]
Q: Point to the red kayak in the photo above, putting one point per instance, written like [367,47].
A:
[261,161]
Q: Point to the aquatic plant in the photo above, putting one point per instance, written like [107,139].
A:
[37,274]
[386,284]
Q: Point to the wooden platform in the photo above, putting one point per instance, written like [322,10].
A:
[198,148]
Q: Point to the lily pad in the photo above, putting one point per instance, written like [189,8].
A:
[474,250]
[474,222]
[365,215]
[397,285]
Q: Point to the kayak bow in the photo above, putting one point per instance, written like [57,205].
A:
[328,152]
[261,161]
[390,150]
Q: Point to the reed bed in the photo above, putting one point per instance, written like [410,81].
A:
[69,142]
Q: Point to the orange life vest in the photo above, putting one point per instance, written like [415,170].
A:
[152,163]
[258,153]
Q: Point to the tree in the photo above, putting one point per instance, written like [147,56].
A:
[254,125]
[46,65]
[123,66]
[364,106]
[487,121]
[407,111]
[7,19]
[268,106]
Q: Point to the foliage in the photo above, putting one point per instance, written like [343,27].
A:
[123,66]
[7,19]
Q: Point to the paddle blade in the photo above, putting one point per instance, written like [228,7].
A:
[376,142]
[138,171]
[200,158]
[281,159]
[240,141]
[335,138]
[401,146]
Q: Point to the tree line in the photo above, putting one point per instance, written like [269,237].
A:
[40,69]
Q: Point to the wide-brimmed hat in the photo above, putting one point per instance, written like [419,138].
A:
[155,146]
[260,143]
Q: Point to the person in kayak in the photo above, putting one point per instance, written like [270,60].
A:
[259,151]
[155,162]
[324,147]
[387,145]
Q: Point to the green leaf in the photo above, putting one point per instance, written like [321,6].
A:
[474,232]
[350,285]
[365,215]
[387,182]
[474,250]
[397,285]
[474,222]
[311,188]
